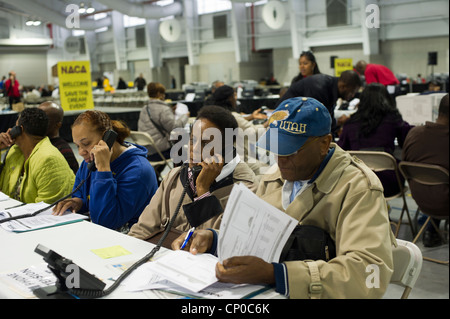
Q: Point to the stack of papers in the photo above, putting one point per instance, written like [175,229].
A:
[42,220]
[181,273]
[250,227]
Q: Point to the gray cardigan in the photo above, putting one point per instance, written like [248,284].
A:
[162,115]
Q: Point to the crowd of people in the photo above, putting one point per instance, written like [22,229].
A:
[15,92]
[314,179]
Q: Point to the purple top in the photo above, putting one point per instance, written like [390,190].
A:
[382,137]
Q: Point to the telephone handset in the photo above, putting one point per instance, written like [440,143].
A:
[109,137]
[15,131]
[197,169]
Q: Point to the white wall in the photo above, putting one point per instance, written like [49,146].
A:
[30,66]
[409,30]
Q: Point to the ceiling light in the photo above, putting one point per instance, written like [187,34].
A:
[90,9]
[82,9]
[33,22]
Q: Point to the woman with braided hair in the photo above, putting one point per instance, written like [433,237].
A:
[121,186]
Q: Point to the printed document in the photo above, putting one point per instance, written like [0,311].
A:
[42,220]
[252,227]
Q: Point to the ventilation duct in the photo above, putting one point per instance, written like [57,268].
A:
[48,14]
[146,11]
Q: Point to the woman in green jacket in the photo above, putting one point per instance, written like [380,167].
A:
[33,170]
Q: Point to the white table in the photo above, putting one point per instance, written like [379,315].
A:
[75,241]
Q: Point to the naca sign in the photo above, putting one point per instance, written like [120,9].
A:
[75,88]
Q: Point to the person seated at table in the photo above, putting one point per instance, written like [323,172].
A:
[307,65]
[55,115]
[375,126]
[34,170]
[429,144]
[158,120]
[123,181]
[321,186]
[208,192]
[224,96]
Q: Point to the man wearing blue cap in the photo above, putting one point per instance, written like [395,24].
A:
[320,185]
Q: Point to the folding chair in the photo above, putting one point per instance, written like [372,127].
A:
[407,265]
[382,161]
[144,139]
[431,175]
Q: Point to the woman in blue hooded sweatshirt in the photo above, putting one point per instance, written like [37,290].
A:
[122,182]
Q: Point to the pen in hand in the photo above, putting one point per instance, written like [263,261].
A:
[188,236]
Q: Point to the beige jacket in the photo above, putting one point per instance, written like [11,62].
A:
[155,216]
[347,201]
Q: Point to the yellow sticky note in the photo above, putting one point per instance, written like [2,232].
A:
[111,252]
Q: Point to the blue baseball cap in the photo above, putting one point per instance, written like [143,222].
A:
[292,123]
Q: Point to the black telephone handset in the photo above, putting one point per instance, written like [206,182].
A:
[197,169]
[15,131]
[109,137]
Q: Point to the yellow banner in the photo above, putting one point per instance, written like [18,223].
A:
[341,65]
[75,88]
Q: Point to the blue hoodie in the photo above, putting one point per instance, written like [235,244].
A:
[118,197]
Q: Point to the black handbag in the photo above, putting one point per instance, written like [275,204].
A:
[308,242]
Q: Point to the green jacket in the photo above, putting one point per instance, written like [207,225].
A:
[46,174]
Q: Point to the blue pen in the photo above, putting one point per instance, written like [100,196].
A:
[188,236]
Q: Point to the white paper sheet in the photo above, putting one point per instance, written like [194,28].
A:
[42,220]
[145,278]
[252,227]
[193,272]
[3,196]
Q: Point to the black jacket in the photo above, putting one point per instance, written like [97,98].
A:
[321,87]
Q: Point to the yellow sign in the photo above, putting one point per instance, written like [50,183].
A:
[341,65]
[75,88]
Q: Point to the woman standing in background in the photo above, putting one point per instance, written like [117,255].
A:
[307,65]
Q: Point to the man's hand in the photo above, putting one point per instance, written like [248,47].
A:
[245,270]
